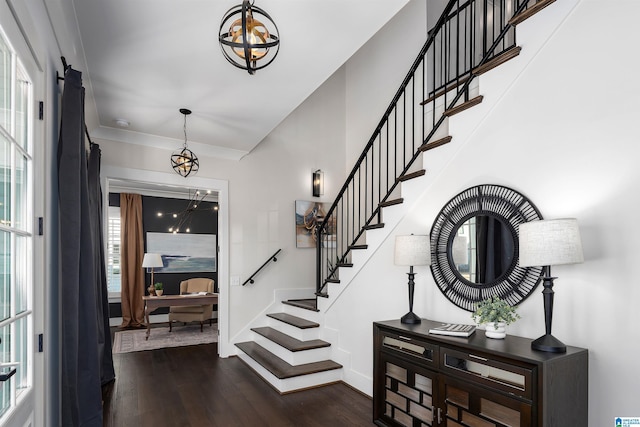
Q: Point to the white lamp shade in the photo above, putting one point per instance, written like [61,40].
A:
[550,242]
[152,260]
[412,250]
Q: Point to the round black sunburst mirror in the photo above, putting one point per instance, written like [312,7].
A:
[474,247]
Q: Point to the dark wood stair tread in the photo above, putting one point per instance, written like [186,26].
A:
[372,227]
[307,304]
[465,105]
[298,322]
[447,88]
[352,247]
[332,281]
[391,202]
[434,144]
[530,11]
[345,264]
[408,176]
[288,342]
[508,54]
[281,369]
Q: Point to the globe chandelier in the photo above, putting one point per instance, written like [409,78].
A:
[183,160]
[248,37]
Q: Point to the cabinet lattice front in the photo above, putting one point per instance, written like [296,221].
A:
[425,380]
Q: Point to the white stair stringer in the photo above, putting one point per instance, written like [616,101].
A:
[391,215]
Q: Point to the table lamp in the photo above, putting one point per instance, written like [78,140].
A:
[412,250]
[152,261]
[542,244]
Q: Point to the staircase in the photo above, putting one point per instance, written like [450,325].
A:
[387,178]
[288,352]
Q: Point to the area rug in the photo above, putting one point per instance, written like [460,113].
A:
[134,340]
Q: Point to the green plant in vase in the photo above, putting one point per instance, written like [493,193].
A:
[158,286]
[496,313]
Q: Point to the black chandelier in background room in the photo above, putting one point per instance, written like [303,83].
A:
[248,37]
[180,222]
[184,161]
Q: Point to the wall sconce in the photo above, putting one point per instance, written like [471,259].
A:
[317,183]
[245,39]
[543,244]
[412,250]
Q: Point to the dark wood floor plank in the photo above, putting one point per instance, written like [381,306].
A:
[193,387]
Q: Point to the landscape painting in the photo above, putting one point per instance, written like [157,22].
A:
[184,253]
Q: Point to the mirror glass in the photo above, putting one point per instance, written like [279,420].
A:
[483,249]
[474,252]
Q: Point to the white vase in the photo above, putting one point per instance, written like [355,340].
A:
[496,330]
[159,292]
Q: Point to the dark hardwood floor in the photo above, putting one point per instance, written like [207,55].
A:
[192,386]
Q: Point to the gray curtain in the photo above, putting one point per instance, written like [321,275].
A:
[107,373]
[80,298]
[496,248]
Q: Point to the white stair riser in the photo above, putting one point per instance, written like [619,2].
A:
[293,357]
[294,383]
[292,331]
[312,316]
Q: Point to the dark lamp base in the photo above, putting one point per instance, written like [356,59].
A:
[549,343]
[410,318]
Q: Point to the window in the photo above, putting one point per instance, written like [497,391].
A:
[16,234]
[113,252]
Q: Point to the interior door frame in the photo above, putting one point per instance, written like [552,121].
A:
[222,188]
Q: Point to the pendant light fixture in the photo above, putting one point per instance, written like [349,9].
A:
[183,160]
[248,37]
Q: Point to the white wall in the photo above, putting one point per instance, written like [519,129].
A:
[376,71]
[564,135]
[263,188]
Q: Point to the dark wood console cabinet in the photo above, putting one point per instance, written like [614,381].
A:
[423,380]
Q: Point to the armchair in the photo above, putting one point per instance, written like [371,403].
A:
[200,313]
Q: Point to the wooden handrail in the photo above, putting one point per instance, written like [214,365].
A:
[271,258]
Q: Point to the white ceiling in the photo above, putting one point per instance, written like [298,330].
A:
[146,59]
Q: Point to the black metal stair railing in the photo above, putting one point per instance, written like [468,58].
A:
[467,35]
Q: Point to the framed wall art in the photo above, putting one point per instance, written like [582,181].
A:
[183,252]
[309,216]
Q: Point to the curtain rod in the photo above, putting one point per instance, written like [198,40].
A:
[66,67]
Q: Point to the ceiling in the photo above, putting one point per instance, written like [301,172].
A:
[143,60]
